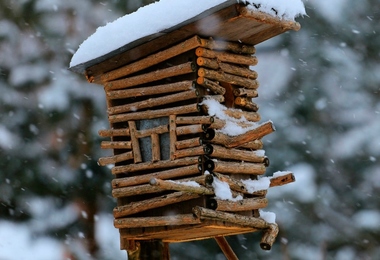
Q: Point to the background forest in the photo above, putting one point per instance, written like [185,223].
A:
[320,86]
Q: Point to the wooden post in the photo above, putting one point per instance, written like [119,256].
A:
[150,250]
[226,248]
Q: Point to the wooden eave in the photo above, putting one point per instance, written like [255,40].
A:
[234,22]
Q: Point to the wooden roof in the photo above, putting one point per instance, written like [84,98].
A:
[229,21]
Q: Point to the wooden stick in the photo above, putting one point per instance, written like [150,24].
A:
[177,70]
[252,93]
[178,186]
[219,98]
[204,213]
[238,114]
[114,132]
[135,142]
[168,174]
[153,102]
[228,78]
[282,180]
[103,161]
[135,190]
[240,205]
[230,46]
[228,68]
[136,207]
[219,124]
[257,133]
[194,151]
[172,135]
[161,129]
[189,129]
[188,143]
[246,103]
[269,236]
[150,91]
[212,85]
[156,153]
[238,185]
[226,57]
[150,114]
[154,165]
[144,222]
[151,60]
[217,151]
[220,138]
[116,145]
[226,248]
[235,168]
[193,120]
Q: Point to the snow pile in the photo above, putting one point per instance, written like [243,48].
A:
[171,13]
[268,216]
[232,127]
[223,191]
[256,185]
[188,183]
[287,10]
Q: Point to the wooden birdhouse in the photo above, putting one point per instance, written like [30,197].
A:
[185,131]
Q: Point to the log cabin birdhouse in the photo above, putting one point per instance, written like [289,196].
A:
[185,132]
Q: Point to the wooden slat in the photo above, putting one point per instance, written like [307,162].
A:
[228,68]
[156,165]
[228,78]
[156,152]
[116,145]
[115,158]
[150,114]
[177,70]
[151,91]
[135,142]
[140,206]
[144,222]
[235,167]
[153,102]
[226,57]
[151,60]
[172,135]
[179,171]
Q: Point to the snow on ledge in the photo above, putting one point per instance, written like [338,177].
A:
[140,24]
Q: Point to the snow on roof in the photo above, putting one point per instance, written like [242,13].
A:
[140,24]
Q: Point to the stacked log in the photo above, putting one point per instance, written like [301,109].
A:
[169,149]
